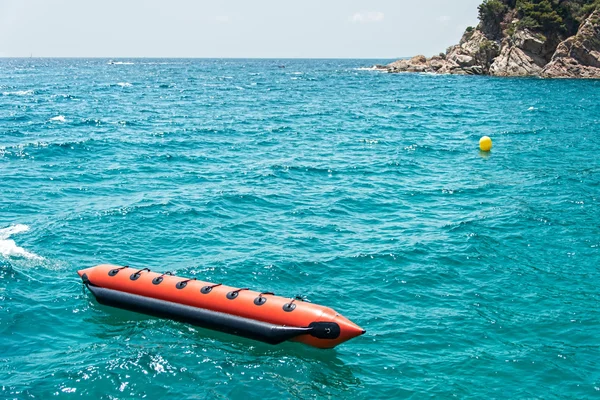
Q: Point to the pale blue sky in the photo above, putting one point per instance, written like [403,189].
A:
[232,28]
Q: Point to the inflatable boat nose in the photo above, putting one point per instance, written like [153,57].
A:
[349,329]
[84,273]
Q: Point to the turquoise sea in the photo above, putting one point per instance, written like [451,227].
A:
[476,275]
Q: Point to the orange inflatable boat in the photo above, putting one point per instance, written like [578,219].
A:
[243,312]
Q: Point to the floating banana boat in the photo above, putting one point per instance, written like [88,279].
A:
[243,312]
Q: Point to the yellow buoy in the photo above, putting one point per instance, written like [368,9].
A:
[485,143]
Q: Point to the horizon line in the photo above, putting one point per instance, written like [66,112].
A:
[206,58]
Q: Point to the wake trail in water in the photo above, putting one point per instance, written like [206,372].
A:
[8,247]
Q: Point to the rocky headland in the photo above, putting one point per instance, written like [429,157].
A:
[544,38]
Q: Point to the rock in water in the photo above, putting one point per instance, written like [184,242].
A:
[579,55]
[415,64]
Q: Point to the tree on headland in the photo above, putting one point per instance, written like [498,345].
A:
[540,14]
[492,9]
[547,16]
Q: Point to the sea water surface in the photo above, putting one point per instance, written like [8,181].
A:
[476,275]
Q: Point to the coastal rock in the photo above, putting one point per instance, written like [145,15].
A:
[420,59]
[415,64]
[464,60]
[579,55]
[436,62]
[418,64]
[472,56]
[504,45]
[513,61]
[522,54]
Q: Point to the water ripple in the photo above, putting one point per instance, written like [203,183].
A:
[361,191]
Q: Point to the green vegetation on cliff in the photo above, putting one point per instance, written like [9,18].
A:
[559,17]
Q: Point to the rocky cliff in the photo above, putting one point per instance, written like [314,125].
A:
[510,42]
[579,55]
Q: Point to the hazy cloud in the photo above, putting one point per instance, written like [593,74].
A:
[444,18]
[223,19]
[367,17]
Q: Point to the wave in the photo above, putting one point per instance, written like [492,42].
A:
[124,84]
[62,96]
[120,63]
[58,118]
[88,122]
[302,169]
[369,141]
[8,247]
[20,93]
[38,148]
[5,233]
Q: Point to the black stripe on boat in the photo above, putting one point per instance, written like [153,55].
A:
[218,321]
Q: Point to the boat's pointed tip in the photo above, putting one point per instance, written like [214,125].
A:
[84,273]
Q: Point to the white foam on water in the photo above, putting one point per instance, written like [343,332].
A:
[5,233]
[19,93]
[124,84]
[58,118]
[120,63]
[8,247]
